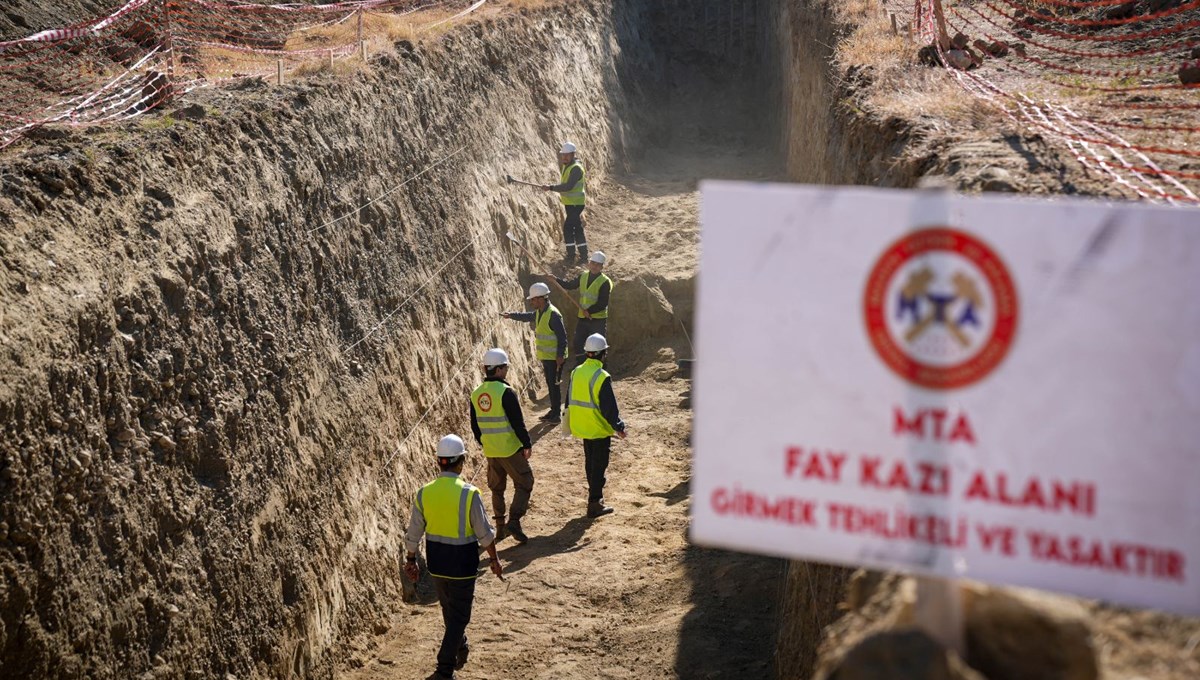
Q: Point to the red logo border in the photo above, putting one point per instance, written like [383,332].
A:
[1005,293]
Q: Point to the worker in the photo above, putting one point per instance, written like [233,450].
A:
[499,427]
[594,290]
[550,336]
[449,512]
[594,418]
[572,190]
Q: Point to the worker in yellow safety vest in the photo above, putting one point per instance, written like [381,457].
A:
[449,513]
[499,427]
[572,190]
[594,418]
[550,335]
[595,289]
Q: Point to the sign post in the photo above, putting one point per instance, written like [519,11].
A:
[987,388]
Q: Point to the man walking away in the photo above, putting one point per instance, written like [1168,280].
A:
[499,427]
[595,288]
[572,190]
[449,513]
[594,418]
[550,335]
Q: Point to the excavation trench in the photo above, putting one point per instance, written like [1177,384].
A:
[222,384]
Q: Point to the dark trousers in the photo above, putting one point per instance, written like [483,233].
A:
[573,232]
[456,597]
[550,371]
[595,463]
[584,328]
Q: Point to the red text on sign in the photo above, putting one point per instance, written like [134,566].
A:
[1050,495]
[786,509]
[926,479]
[823,466]
[1125,558]
[897,525]
[933,424]
[997,539]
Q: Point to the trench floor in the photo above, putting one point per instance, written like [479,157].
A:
[623,596]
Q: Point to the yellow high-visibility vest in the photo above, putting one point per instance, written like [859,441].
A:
[578,195]
[547,341]
[584,401]
[589,294]
[451,549]
[496,433]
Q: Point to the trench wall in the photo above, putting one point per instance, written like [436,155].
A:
[204,399]
[214,415]
[825,139]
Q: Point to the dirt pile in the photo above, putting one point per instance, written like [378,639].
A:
[21,18]
[1008,634]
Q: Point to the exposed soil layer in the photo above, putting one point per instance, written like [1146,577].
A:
[205,399]
[222,385]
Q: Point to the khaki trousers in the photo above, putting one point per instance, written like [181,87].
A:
[499,470]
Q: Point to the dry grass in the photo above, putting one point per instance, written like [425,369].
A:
[380,32]
[342,67]
[901,87]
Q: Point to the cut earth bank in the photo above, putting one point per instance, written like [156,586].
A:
[218,400]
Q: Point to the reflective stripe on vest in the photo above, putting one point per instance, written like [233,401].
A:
[547,341]
[451,548]
[590,294]
[496,433]
[578,195]
[583,401]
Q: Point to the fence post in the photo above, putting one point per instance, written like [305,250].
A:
[170,42]
[279,71]
[939,611]
[938,15]
[362,45]
[895,31]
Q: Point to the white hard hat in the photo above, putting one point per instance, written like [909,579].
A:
[451,446]
[598,257]
[538,290]
[567,147]
[495,357]
[595,343]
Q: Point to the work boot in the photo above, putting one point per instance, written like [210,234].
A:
[551,417]
[500,532]
[514,530]
[583,257]
[569,256]
[464,650]
[598,508]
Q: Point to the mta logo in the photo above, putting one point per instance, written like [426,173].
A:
[926,307]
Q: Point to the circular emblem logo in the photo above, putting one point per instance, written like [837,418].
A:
[940,308]
[485,402]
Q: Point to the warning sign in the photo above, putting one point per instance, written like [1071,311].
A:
[985,388]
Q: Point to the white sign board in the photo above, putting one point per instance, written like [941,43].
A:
[987,388]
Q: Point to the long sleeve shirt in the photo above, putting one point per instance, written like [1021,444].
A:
[608,406]
[512,410]
[586,279]
[556,325]
[572,179]
[479,522]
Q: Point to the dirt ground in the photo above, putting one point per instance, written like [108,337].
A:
[626,595]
